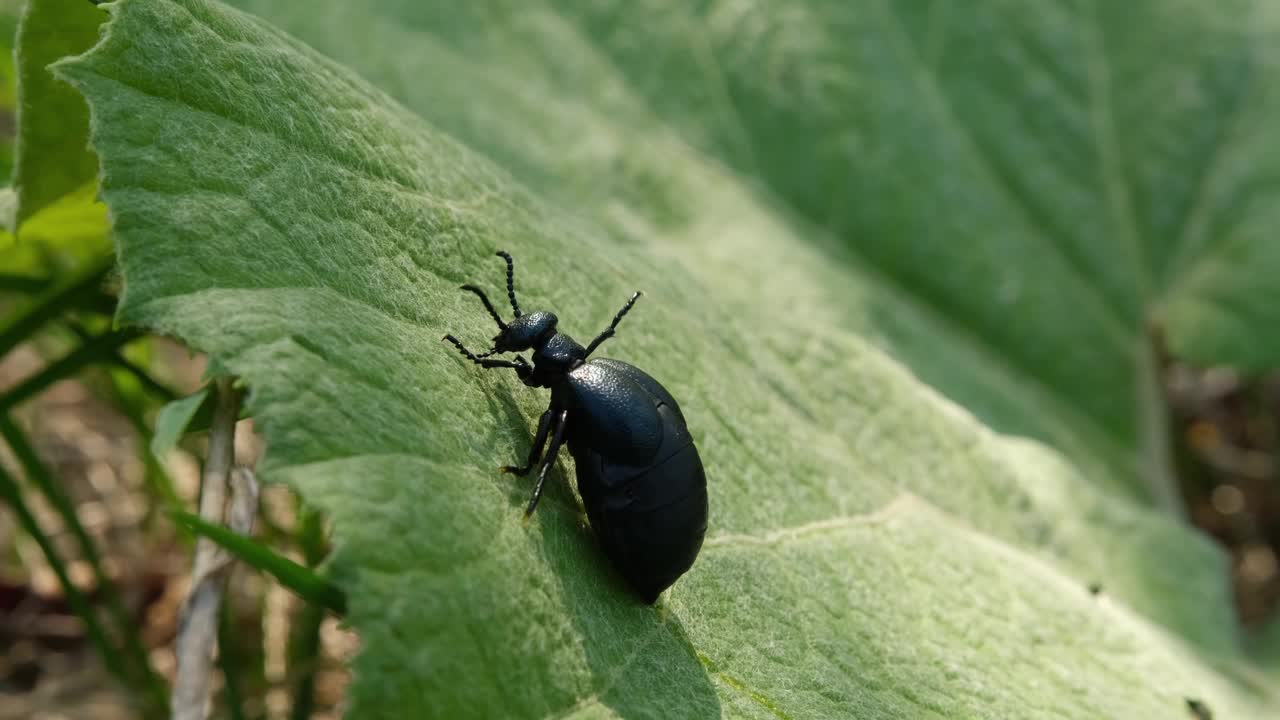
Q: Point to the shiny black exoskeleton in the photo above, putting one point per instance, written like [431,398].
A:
[639,473]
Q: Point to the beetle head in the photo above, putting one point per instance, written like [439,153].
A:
[525,332]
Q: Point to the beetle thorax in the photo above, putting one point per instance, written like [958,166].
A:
[555,357]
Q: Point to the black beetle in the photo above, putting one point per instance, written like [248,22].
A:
[639,473]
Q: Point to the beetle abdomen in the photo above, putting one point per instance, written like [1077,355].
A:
[651,525]
[639,473]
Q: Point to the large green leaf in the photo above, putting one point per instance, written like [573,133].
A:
[994,197]
[1032,191]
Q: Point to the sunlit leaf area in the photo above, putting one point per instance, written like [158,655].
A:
[905,359]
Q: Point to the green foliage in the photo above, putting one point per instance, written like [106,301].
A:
[1029,190]
[49,164]
[11,495]
[175,418]
[54,267]
[99,349]
[1267,647]
[298,578]
[131,660]
[304,636]
[835,209]
[69,293]
[9,12]
[61,240]
[56,223]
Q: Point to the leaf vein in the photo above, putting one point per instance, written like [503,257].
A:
[1185,259]
[894,508]
[1119,191]
[985,161]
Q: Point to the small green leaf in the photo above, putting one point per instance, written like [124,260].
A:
[53,159]
[298,578]
[173,420]
[191,414]
[67,234]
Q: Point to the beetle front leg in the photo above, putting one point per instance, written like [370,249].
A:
[521,367]
[556,439]
[539,441]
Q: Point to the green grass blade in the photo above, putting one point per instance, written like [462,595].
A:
[11,495]
[155,387]
[72,292]
[306,583]
[304,641]
[156,478]
[229,653]
[135,406]
[304,660]
[144,676]
[118,359]
[99,348]
[23,284]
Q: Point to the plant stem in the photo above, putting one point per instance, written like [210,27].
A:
[1153,422]
[197,636]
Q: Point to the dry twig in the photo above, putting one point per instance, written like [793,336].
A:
[198,628]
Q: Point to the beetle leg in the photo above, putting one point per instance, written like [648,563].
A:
[547,461]
[539,441]
[608,332]
[520,365]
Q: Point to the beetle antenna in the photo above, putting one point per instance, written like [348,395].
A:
[487,305]
[511,284]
